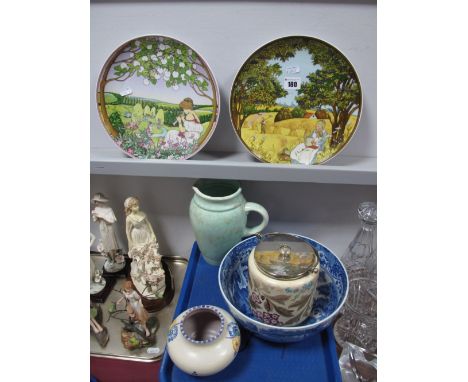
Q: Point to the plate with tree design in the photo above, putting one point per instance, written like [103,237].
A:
[158,98]
[296,100]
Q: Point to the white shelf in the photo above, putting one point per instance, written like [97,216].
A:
[241,166]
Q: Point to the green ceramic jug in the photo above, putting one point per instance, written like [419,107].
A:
[218,213]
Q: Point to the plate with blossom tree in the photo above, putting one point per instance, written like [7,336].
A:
[158,99]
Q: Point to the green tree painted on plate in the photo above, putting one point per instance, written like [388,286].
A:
[160,116]
[297,112]
[116,121]
[256,84]
[335,85]
[137,114]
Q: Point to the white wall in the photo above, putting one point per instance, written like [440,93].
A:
[326,212]
[225,33]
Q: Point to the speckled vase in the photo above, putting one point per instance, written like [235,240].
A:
[203,340]
[218,213]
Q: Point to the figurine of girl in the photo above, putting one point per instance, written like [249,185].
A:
[190,127]
[135,309]
[305,153]
[108,245]
[146,269]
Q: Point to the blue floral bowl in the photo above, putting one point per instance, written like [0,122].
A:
[330,295]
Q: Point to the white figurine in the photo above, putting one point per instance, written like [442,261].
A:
[108,245]
[146,272]
[96,285]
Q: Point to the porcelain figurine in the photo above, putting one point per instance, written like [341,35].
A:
[108,245]
[218,214]
[139,328]
[203,340]
[96,284]
[146,270]
[135,309]
[283,275]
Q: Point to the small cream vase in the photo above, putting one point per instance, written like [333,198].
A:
[203,340]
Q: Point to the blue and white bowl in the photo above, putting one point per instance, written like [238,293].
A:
[330,295]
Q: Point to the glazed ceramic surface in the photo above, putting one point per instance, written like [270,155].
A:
[288,301]
[203,340]
[330,296]
[218,214]
[158,98]
[147,272]
[296,100]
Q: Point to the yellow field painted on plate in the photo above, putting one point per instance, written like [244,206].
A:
[280,137]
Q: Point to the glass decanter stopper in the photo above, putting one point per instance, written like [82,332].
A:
[360,259]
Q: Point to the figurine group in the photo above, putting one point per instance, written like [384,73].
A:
[146,269]
[147,274]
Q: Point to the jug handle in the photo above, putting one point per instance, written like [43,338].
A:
[262,211]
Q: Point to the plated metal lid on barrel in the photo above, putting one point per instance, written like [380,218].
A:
[284,256]
[158,99]
[296,100]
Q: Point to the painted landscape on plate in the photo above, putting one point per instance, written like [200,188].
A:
[296,100]
[158,99]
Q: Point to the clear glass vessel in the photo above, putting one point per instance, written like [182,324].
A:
[360,259]
[358,323]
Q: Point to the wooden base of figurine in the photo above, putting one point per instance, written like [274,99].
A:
[156,304]
[124,272]
[101,296]
[133,334]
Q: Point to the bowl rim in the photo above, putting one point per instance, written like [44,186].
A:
[285,328]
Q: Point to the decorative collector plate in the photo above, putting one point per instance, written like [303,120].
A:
[158,98]
[296,100]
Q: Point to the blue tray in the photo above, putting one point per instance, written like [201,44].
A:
[313,359]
